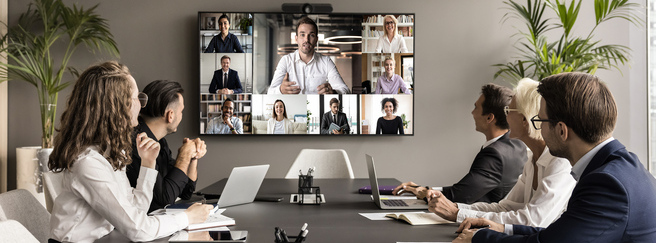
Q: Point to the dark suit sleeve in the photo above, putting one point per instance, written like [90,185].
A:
[214,85]
[238,88]
[237,45]
[347,129]
[210,47]
[325,124]
[483,176]
[598,207]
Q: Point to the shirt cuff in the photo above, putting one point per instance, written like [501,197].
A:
[147,178]
[182,219]
[438,188]
[508,229]
[465,213]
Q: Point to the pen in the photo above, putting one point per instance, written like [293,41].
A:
[476,227]
[302,229]
[283,236]
[277,234]
[301,237]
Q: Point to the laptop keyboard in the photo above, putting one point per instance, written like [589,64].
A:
[395,203]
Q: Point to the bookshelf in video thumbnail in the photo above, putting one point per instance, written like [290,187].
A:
[316,74]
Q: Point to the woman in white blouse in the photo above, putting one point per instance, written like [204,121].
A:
[92,149]
[542,190]
[391,41]
[278,123]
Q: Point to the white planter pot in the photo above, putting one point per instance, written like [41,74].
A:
[28,172]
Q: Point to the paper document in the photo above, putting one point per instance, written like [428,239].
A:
[381,216]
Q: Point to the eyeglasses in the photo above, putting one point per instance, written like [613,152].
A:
[143,99]
[507,110]
[537,122]
[389,22]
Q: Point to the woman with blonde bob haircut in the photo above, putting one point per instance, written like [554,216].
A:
[542,190]
[92,149]
[391,41]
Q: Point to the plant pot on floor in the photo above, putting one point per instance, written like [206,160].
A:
[29,170]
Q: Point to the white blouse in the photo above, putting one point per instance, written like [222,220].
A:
[397,45]
[95,200]
[526,206]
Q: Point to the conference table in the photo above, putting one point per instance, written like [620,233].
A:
[337,220]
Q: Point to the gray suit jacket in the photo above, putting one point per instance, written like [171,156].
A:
[492,174]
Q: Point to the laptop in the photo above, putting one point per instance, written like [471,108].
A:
[390,202]
[242,185]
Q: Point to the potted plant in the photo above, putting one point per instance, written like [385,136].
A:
[32,58]
[246,24]
[540,57]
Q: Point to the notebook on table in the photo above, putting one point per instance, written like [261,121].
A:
[390,202]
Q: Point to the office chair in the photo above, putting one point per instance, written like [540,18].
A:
[21,206]
[328,163]
[51,187]
[366,87]
[13,231]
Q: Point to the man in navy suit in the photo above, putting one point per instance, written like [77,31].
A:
[225,80]
[615,196]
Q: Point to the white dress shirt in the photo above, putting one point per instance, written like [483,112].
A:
[397,45]
[320,69]
[526,206]
[96,199]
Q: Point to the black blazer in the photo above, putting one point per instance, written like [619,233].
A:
[233,81]
[613,201]
[328,118]
[492,174]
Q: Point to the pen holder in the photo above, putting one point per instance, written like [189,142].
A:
[304,184]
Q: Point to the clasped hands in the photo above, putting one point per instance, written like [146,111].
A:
[192,149]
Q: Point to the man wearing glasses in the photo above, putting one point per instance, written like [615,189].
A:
[613,200]
[161,116]
[497,165]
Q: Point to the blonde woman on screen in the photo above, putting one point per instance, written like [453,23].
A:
[92,149]
[391,41]
[278,123]
[390,82]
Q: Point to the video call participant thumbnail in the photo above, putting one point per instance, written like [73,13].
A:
[390,82]
[224,42]
[390,123]
[497,165]
[225,80]
[278,123]
[391,41]
[177,176]
[337,117]
[304,71]
[226,123]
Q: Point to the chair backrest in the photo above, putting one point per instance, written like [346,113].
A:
[21,206]
[52,185]
[328,163]
[13,231]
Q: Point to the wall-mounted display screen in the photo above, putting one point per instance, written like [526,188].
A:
[294,74]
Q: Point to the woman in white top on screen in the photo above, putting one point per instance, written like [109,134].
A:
[92,149]
[391,83]
[278,123]
[542,190]
[391,42]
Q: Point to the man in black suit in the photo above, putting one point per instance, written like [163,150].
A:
[497,165]
[613,200]
[225,80]
[334,116]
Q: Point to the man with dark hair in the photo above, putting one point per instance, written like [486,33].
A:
[225,80]
[226,123]
[160,117]
[613,200]
[224,42]
[335,116]
[498,164]
[304,71]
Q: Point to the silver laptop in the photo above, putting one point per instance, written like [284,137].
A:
[242,185]
[390,202]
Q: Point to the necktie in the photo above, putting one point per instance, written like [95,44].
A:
[335,119]
[225,80]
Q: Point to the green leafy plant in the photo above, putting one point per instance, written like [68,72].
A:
[31,54]
[245,22]
[405,122]
[539,57]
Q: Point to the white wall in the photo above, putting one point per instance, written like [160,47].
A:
[456,43]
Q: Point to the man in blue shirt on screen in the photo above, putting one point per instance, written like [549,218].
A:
[614,198]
